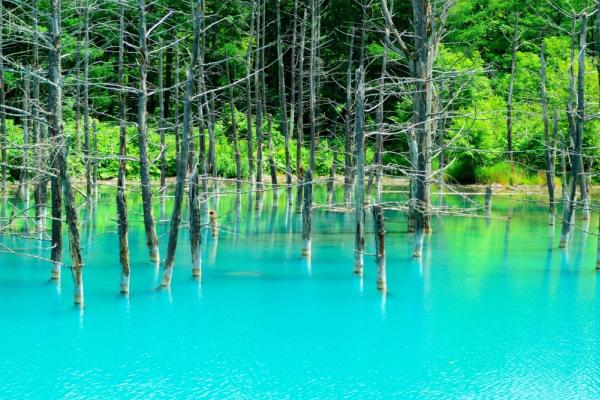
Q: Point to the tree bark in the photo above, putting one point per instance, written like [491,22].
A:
[162,162]
[86,102]
[272,167]
[359,203]
[122,222]
[283,105]
[347,125]
[149,225]
[509,101]
[57,132]
[548,144]
[380,260]
[248,80]
[2,109]
[300,123]
[181,171]
[576,166]
[234,132]
[258,102]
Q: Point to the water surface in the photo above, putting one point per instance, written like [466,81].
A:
[493,310]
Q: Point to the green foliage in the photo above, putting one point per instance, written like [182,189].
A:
[502,173]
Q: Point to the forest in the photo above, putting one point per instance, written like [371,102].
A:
[438,93]
[138,132]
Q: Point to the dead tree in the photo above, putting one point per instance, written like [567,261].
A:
[300,118]
[258,102]
[576,163]
[549,146]
[56,128]
[249,94]
[347,125]
[149,225]
[429,22]
[509,101]
[162,160]
[380,126]
[121,180]
[41,182]
[182,167]
[2,105]
[176,108]
[86,102]
[359,143]
[308,177]
[234,132]
[272,167]
[283,106]
[380,260]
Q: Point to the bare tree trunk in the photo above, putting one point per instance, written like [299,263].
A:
[122,222]
[308,177]
[249,94]
[95,159]
[162,162]
[212,158]
[2,109]
[151,238]
[359,204]
[283,106]
[42,181]
[57,132]
[331,180]
[258,102]
[78,77]
[509,101]
[294,59]
[24,184]
[548,144]
[176,108]
[272,166]
[576,166]
[380,260]
[300,123]
[181,171]
[380,126]
[348,137]
[86,102]
[234,129]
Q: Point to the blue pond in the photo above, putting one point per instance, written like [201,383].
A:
[493,310]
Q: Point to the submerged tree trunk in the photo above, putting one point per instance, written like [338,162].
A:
[308,177]
[2,109]
[380,126]
[57,132]
[249,95]
[86,105]
[41,181]
[162,161]
[122,222]
[234,133]
[300,122]
[509,101]
[258,102]
[347,126]
[176,127]
[576,166]
[182,167]
[380,260]
[283,106]
[548,145]
[272,167]
[359,204]
[149,225]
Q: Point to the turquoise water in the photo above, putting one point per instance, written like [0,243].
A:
[493,310]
